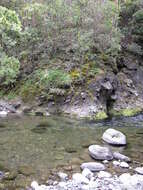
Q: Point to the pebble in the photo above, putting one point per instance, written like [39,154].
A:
[139,170]
[80,179]
[116,163]
[87,173]
[119,156]
[124,165]
[3,113]
[63,176]
[103,174]
[93,166]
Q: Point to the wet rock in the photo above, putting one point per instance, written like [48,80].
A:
[80,179]
[139,170]
[103,174]
[105,161]
[5,106]
[3,113]
[34,185]
[114,137]
[93,166]
[119,156]
[100,153]
[87,173]
[107,85]
[124,165]
[11,175]
[26,109]
[70,149]
[63,176]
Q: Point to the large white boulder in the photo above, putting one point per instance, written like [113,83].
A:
[100,153]
[114,137]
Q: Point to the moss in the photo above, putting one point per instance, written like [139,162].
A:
[101,115]
[128,112]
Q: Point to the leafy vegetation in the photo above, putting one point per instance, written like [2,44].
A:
[56,44]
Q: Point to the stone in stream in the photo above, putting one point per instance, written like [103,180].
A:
[80,179]
[93,166]
[3,113]
[139,170]
[124,165]
[119,156]
[100,153]
[114,137]
[63,176]
[116,163]
[87,173]
[103,174]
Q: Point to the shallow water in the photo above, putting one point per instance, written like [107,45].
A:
[60,142]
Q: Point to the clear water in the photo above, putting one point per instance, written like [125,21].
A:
[60,142]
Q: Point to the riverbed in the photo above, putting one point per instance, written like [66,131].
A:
[37,147]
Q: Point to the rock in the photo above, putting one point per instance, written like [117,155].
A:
[114,137]
[63,176]
[80,179]
[139,170]
[11,175]
[116,163]
[124,165]
[107,85]
[3,113]
[119,156]
[103,174]
[34,185]
[129,182]
[100,153]
[93,166]
[87,173]
[105,161]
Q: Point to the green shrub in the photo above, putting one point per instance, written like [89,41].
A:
[52,78]
[9,69]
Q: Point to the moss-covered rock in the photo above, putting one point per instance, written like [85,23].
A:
[128,112]
[101,115]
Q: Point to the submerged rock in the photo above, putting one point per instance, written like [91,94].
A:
[93,166]
[100,153]
[114,137]
[119,156]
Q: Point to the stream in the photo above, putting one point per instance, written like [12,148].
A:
[35,148]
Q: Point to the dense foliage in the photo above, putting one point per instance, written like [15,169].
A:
[53,44]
